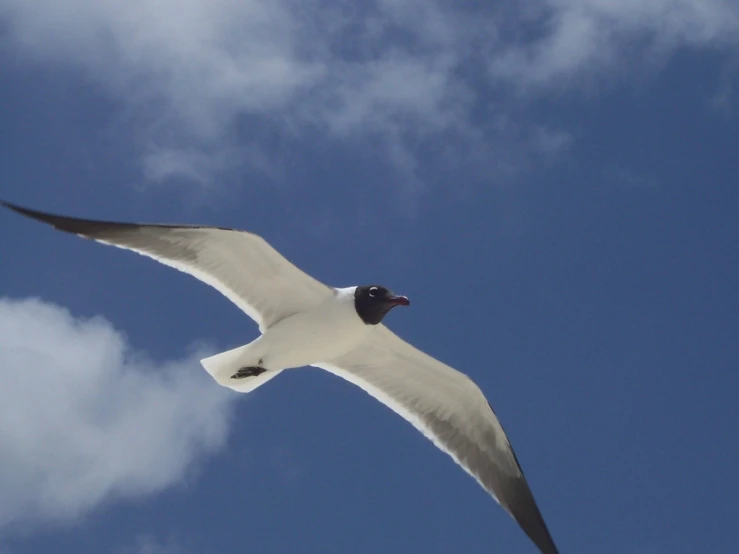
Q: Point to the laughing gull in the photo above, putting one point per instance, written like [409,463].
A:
[304,322]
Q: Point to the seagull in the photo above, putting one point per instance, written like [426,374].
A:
[304,322]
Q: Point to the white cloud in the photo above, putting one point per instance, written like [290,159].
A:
[85,419]
[192,164]
[586,38]
[193,71]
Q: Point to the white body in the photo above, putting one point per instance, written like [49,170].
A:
[321,334]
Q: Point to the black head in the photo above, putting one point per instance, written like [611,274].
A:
[373,302]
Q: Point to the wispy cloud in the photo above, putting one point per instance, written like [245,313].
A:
[150,545]
[85,419]
[577,40]
[202,76]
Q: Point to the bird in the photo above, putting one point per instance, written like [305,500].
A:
[304,322]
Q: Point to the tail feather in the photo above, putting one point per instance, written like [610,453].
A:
[222,366]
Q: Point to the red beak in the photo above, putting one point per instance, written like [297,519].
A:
[399,300]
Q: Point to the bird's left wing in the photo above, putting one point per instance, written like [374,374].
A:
[240,265]
[448,408]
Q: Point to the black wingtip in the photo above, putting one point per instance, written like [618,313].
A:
[76,226]
[91,228]
[527,514]
[515,496]
[17,208]
[51,219]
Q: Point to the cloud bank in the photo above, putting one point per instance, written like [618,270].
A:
[201,77]
[85,419]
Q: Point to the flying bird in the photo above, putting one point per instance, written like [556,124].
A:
[304,322]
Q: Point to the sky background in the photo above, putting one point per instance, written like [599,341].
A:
[553,183]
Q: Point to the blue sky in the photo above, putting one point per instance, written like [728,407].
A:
[552,184]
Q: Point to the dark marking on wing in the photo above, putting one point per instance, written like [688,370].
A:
[516,497]
[93,228]
[512,491]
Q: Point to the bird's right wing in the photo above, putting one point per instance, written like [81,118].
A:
[240,265]
[448,408]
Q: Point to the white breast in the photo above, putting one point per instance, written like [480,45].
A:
[321,334]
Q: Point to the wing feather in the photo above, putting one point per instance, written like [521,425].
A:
[240,265]
[448,408]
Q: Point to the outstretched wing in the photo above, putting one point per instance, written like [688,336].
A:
[239,264]
[448,408]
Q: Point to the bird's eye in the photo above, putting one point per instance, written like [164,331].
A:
[373,291]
